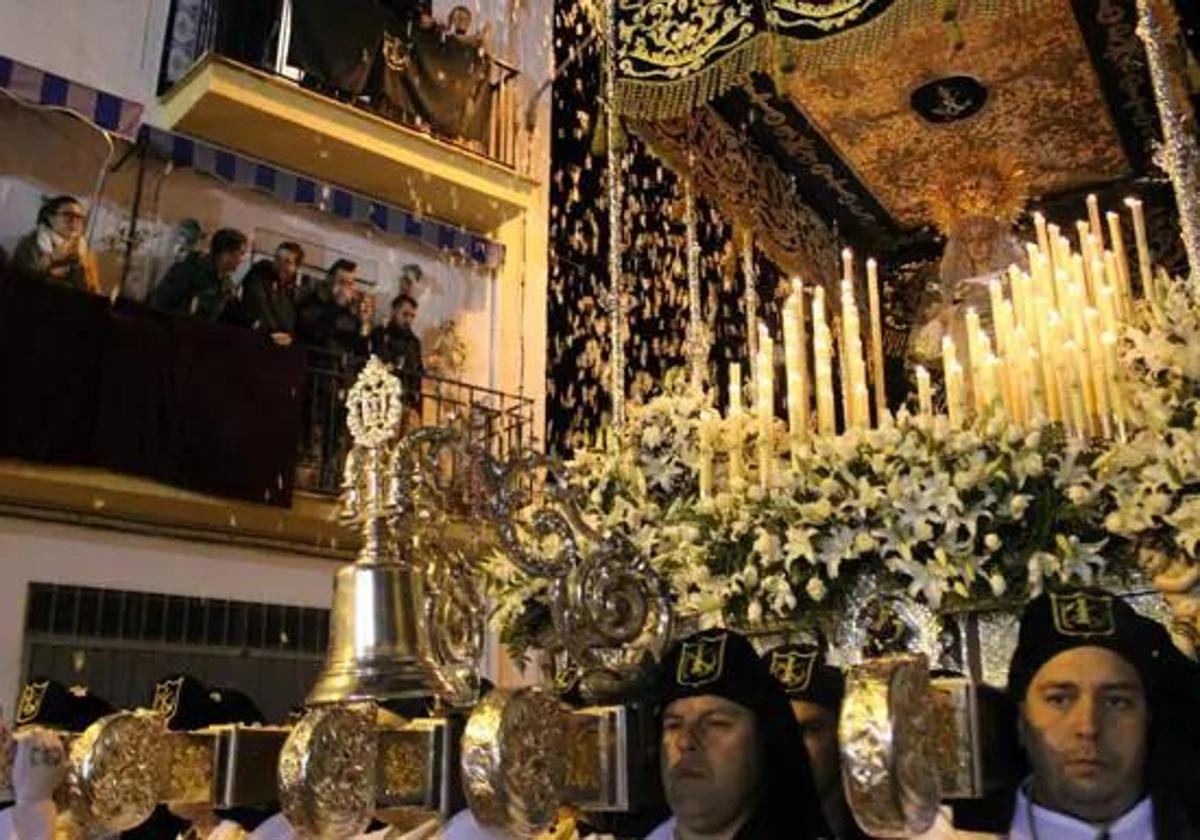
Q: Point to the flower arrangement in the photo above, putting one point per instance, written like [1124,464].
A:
[950,517]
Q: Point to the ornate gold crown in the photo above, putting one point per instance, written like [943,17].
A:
[990,184]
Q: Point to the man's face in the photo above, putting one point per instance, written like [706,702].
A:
[344,290]
[819,727]
[286,263]
[228,261]
[1084,727]
[710,762]
[460,21]
[404,315]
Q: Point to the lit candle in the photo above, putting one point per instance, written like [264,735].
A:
[1105,304]
[924,392]
[1112,376]
[793,355]
[1083,363]
[1093,206]
[735,389]
[1145,270]
[822,364]
[952,372]
[1004,326]
[1018,292]
[766,406]
[1078,417]
[987,380]
[1096,371]
[1043,234]
[975,360]
[1122,259]
[881,407]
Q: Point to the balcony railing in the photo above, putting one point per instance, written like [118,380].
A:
[499,422]
[261,40]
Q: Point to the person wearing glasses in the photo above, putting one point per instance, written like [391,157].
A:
[55,251]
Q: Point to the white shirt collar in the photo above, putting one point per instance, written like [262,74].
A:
[1135,824]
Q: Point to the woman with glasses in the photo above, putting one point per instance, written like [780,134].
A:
[55,251]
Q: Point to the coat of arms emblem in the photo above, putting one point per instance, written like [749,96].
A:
[31,701]
[1083,614]
[166,698]
[793,668]
[701,661]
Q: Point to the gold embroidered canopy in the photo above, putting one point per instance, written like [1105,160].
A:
[858,111]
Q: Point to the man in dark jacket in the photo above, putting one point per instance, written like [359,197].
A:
[329,320]
[397,344]
[202,284]
[269,293]
[329,325]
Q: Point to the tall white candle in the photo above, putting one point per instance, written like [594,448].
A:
[877,375]
[1145,270]
[924,392]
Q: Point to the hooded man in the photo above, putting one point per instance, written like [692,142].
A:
[46,712]
[733,762]
[1107,707]
[815,691]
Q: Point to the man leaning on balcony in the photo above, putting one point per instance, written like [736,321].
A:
[202,284]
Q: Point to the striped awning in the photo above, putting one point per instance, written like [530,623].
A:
[38,87]
[292,188]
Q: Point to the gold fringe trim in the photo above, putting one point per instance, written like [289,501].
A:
[878,35]
[678,98]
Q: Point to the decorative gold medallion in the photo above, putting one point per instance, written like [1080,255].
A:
[31,701]
[1083,614]
[701,661]
[793,668]
[166,698]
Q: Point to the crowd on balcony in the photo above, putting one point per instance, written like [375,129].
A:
[335,317]
[334,321]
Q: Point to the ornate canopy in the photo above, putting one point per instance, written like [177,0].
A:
[863,110]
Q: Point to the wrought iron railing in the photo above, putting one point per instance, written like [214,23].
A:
[198,27]
[500,422]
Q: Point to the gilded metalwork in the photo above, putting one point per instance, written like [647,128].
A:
[403,766]
[888,763]
[1045,106]
[513,764]
[407,619]
[327,772]
[116,768]
[190,773]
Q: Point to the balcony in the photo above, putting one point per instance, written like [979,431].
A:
[215,90]
[127,418]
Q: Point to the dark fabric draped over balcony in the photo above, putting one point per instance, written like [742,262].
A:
[410,74]
[201,406]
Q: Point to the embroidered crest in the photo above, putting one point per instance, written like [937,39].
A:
[1083,614]
[566,678]
[701,661]
[31,701]
[166,698]
[793,668]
